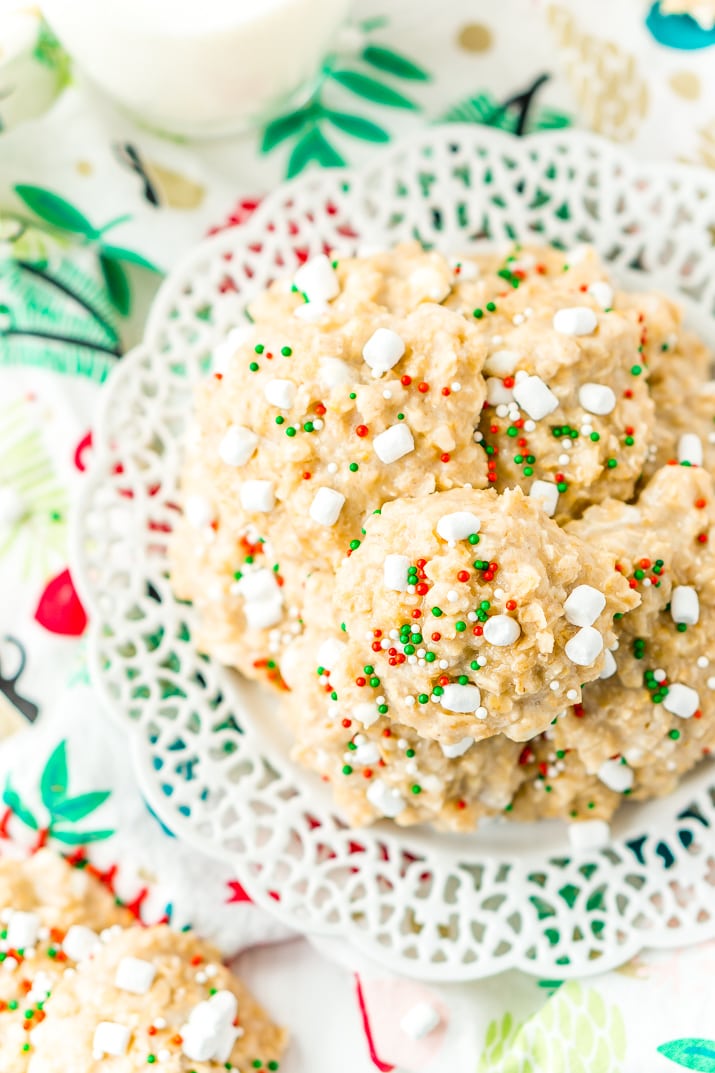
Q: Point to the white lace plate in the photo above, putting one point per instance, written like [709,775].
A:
[211,756]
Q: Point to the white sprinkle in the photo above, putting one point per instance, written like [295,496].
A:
[134,975]
[690,449]
[702,662]
[455,386]
[458,526]
[459,698]
[602,292]
[554,686]
[383,350]
[547,494]
[199,511]
[410,700]
[584,647]
[501,630]
[334,372]
[79,942]
[237,445]
[452,595]
[609,665]
[387,801]
[535,397]
[583,605]
[394,572]
[317,279]
[616,775]
[685,605]
[257,496]
[332,467]
[419,1021]
[280,393]
[597,398]
[529,425]
[326,506]
[711,683]
[681,701]
[576,320]
[110,1038]
[572,695]
[592,834]
[395,442]
[387,394]
[458,748]
[481,712]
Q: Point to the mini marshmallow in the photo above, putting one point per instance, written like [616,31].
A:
[365,713]
[502,362]
[602,292]
[458,526]
[280,393]
[458,698]
[394,572]
[334,372]
[584,647]
[330,653]
[12,506]
[458,748]
[383,350]
[597,398]
[501,630]
[326,506]
[609,665]
[685,605]
[583,605]
[547,494]
[134,975]
[427,282]
[388,801]
[497,393]
[262,614]
[257,496]
[22,930]
[616,775]
[395,442]
[110,1038]
[576,320]
[227,348]
[533,396]
[317,279]
[237,445]
[258,585]
[591,834]
[41,989]
[79,942]
[690,449]
[419,1021]
[367,753]
[199,511]
[681,701]
[310,312]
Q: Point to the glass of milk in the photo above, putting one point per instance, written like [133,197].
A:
[200,68]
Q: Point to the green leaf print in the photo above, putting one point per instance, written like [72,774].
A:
[117,283]
[129,257]
[54,210]
[12,799]
[357,126]
[371,89]
[313,146]
[80,838]
[393,63]
[76,808]
[698,1054]
[283,127]
[53,782]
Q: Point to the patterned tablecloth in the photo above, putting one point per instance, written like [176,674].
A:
[92,209]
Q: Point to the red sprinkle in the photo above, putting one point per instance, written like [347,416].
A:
[445,457]
[307,476]
[347,723]
[423,387]
[511,605]
[387,733]
[700,503]
[436,636]
[319,409]
[417,613]
[362,430]
[463,575]
[405,381]
[446,391]
[702,538]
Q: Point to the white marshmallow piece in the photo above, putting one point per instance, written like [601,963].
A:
[547,494]
[597,398]
[383,350]
[583,605]
[12,506]
[226,349]
[603,294]
[681,701]
[134,975]
[584,647]
[458,698]
[616,775]
[589,835]
[458,526]
[690,449]
[365,713]
[79,942]
[209,1032]
[280,393]
[420,1020]
[110,1038]
[501,630]
[685,605]
[257,496]
[334,372]
[317,279]
[497,393]
[310,312]
[533,396]
[262,614]
[258,585]
[457,748]
[330,653]
[394,572]
[22,930]
[502,362]
[576,320]
[395,442]
[199,511]
[326,506]
[388,801]
[199,1041]
[609,665]
[237,445]
[367,753]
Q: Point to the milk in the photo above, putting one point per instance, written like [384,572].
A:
[199,67]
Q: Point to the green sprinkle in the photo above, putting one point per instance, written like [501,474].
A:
[353,467]
[423,698]
[12,1004]
[518,459]
[309,426]
[437,612]
[562,486]
[478,313]
[353,395]
[595,436]
[286,351]
[681,627]
[368,669]
[491,307]
[409,753]
[665,346]
[151,1058]
[347,770]
[629,441]
[528,471]
[612,463]
[636,370]
[511,431]
[259,348]
[354,545]
[253,366]
[460,627]
[290,431]
[274,1065]
[674,734]
[280,420]
[400,417]
[430,657]
[382,709]
[474,665]
[474,538]
[416,789]
[409,650]
[374,681]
